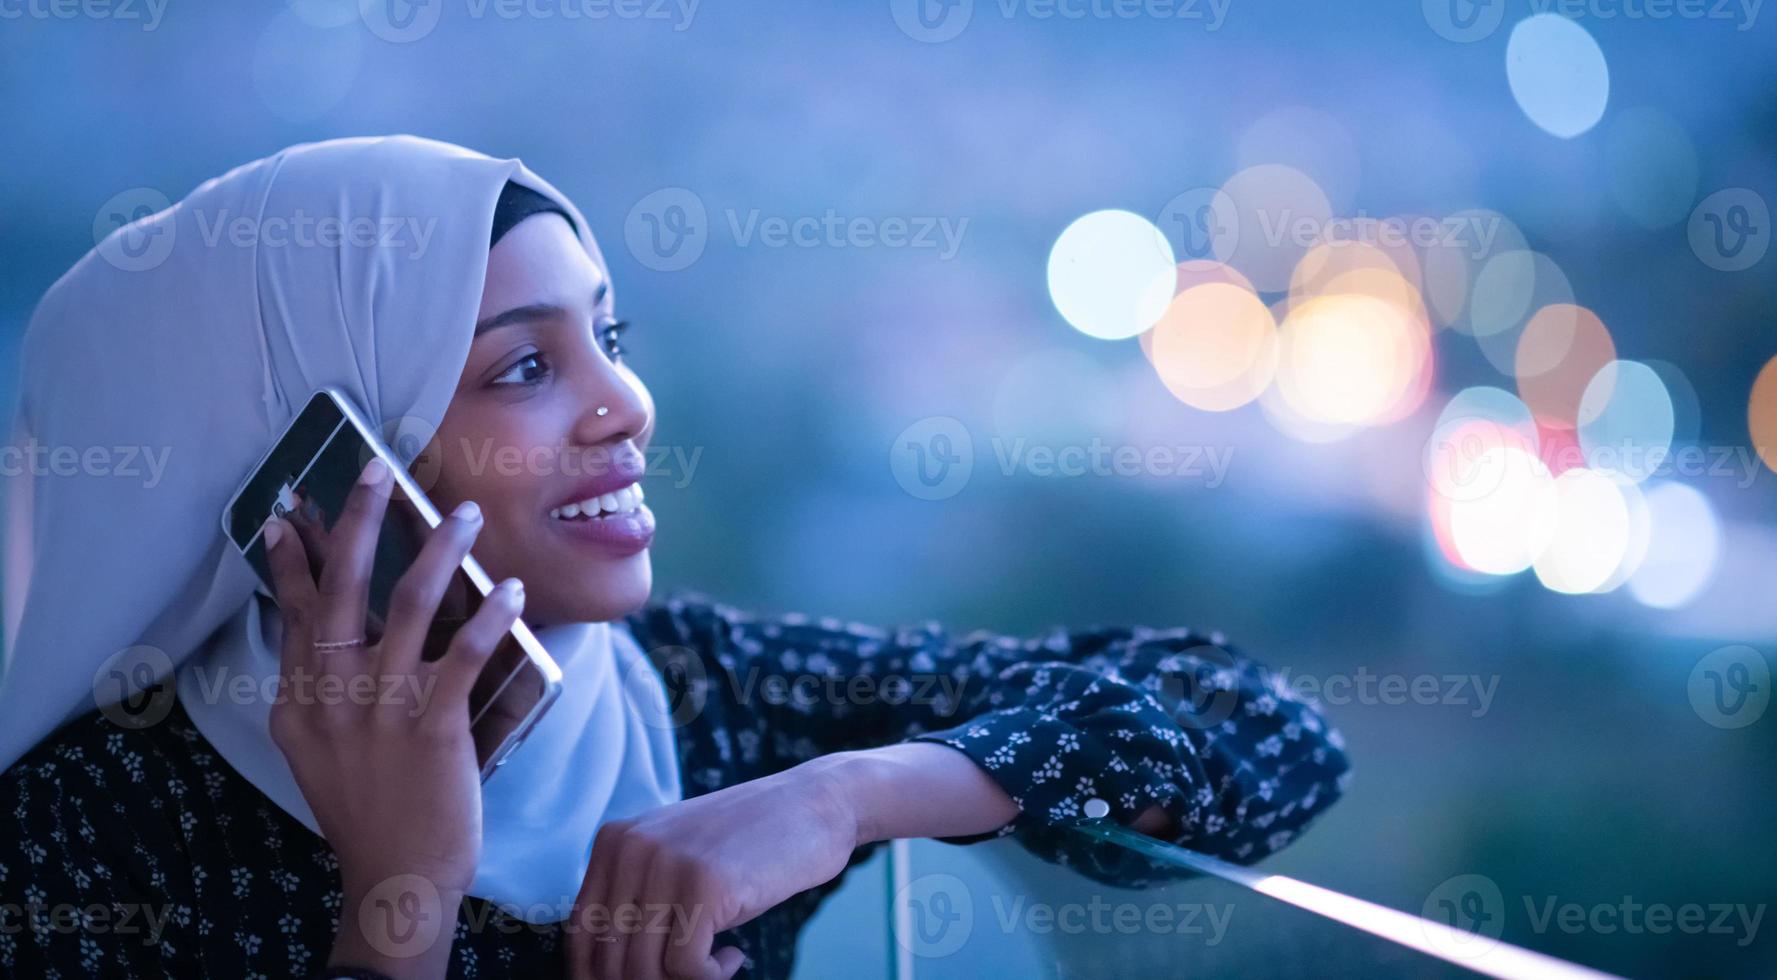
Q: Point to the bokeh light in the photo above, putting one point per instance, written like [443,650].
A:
[1563,348]
[1453,256]
[1503,530]
[1111,274]
[1684,545]
[1557,74]
[1687,411]
[1349,358]
[1511,288]
[1761,413]
[1279,213]
[1625,420]
[1591,535]
[1197,272]
[1215,348]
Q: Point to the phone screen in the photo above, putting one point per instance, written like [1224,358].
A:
[306,479]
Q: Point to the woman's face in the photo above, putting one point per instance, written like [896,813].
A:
[545,416]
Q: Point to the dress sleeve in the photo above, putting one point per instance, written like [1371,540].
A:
[1101,722]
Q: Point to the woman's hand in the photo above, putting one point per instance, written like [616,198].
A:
[661,885]
[377,738]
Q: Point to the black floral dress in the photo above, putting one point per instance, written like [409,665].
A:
[140,853]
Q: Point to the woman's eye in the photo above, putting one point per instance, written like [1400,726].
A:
[519,365]
[609,336]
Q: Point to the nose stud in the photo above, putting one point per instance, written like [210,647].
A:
[603,411]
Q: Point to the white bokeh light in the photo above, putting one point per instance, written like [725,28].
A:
[1591,533]
[1684,544]
[1558,74]
[1504,530]
[1111,274]
[1625,420]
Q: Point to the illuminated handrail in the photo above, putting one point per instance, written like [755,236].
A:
[1480,954]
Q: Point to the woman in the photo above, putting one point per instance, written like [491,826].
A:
[257,834]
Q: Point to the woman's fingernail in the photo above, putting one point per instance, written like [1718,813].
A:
[373,472]
[514,589]
[468,510]
[274,529]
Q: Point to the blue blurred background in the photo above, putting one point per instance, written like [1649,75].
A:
[1563,694]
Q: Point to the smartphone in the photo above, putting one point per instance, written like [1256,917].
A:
[305,478]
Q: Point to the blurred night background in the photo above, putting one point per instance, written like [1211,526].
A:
[1415,347]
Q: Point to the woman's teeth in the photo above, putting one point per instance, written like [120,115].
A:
[623,501]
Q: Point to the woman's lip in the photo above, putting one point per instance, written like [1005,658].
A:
[619,534]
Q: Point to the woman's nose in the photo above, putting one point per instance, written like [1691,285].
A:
[612,407]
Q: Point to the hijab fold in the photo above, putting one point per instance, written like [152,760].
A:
[192,336]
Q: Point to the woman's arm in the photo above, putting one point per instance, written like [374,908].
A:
[923,789]
[1133,718]
[859,735]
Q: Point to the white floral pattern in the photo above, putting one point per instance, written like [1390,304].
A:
[155,819]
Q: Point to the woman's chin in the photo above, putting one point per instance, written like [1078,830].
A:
[613,591]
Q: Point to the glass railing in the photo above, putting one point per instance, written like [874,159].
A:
[995,910]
